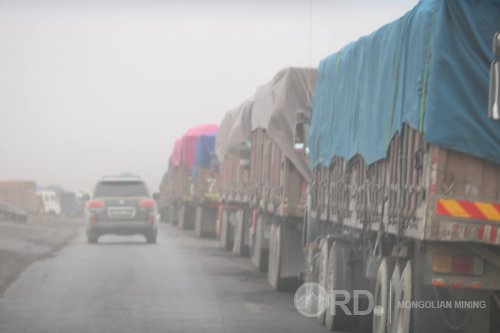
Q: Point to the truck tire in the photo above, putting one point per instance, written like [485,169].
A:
[198,220]
[338,319]
[322,274]
[151,239]
[225,240]
[381,296]
[92,238]
[259,254]
[280,276]
[395,293]
[241,230]
[274,256]
[187,217]
[403,317]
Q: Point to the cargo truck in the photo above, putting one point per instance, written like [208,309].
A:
[279,174]
[18,200]
[263,180]
[404,200]
[177,188]
[232,150]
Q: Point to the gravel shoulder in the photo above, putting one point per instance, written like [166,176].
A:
[23,244]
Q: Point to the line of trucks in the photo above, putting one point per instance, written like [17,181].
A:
[21,198]
[378,171]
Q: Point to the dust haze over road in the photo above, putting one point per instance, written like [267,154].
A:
[101,87]
[181,284]
[93,88]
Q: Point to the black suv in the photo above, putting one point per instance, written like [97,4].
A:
[121,205]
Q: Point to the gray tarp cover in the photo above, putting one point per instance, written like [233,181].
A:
[275,106]
[234,129]
[224,128]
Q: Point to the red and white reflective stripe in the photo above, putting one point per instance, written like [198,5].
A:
[484,233]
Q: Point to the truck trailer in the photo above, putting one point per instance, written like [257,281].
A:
[177,187]
[264,180]
[404,201]
[18,200]
[206,194]
[232,150]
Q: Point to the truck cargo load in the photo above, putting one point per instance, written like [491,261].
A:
[429,69]
[275,106]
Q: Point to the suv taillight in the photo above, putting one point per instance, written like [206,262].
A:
[95,204]
[147,204]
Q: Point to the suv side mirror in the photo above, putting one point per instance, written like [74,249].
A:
[156,195]
[494,100]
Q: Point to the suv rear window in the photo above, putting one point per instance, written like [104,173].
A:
[120,189]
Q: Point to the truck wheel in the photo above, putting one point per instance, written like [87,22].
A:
[259,254]
[382,285]
[322,275]
[92,239]
[273,269]
[225,232]
[338,319]
[403,317]
[279,252]
[151,239]
[198,220]
[395,292]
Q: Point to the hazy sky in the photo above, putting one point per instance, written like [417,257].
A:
[89,88]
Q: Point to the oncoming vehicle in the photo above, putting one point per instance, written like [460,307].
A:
[121,205]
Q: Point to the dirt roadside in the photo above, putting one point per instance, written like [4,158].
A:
[23,244]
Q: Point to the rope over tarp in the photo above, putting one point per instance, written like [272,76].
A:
[428,69]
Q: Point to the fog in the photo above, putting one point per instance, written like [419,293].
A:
[104,87]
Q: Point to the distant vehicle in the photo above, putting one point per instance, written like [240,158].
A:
[64,200]
[20,194]
[50,202]
[121,205]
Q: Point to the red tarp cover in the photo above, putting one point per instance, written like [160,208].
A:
[184,147]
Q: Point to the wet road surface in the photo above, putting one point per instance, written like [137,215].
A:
[122,284]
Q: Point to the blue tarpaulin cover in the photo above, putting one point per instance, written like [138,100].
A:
[203,151]
[429,69]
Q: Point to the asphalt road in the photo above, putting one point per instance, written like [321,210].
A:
[122,284]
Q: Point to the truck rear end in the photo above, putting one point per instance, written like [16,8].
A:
[233,153]
[206,190]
